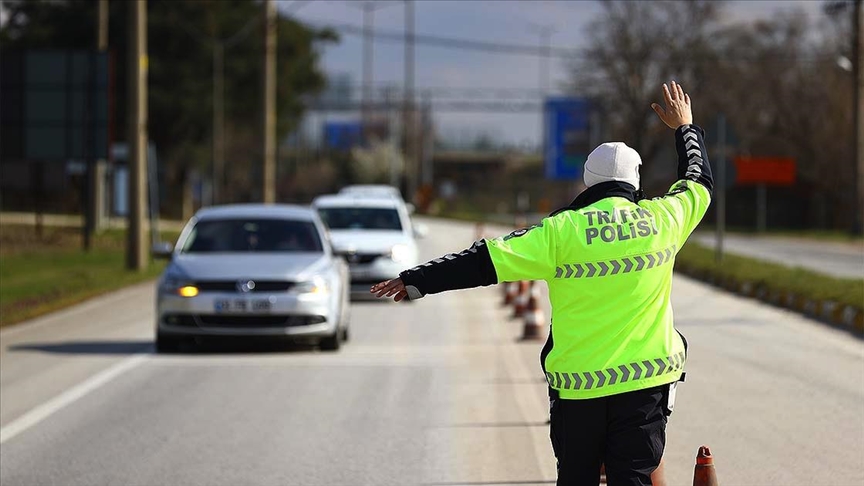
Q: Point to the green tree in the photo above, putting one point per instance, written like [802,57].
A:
[181,37]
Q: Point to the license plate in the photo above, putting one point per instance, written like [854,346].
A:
[242,306]
[359,273]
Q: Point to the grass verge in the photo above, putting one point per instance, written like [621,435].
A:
[41,274]
[768,277]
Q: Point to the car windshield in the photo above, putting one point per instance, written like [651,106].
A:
[253,235]
[338,218]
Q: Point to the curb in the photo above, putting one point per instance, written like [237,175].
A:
[846,317]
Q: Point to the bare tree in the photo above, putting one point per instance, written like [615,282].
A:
[777,82]
[633,48]
[782,91]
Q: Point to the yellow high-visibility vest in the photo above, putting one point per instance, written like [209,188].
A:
[609,271]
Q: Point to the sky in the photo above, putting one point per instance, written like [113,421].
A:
[496,21]
[504,21]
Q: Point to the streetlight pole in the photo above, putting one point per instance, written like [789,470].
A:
[543,74]
[368,58]
[368,7]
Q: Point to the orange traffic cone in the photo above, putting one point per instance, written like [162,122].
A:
[704,473]
[510,289]
[534,319]
[479,231]
[521,301]
[658,477]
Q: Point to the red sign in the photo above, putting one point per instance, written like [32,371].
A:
[773,171]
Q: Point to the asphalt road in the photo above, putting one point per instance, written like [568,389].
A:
[840,259]
[437,392]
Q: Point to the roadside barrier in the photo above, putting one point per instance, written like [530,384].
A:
[704,473]
[850,318]
[533,315]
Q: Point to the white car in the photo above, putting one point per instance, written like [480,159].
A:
[371,190]
[252,270]
[374,234]
[376,191]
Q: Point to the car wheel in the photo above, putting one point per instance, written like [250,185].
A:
[331,343]
[167,344]
[345,335]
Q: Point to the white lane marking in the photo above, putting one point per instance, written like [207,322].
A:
[41,412]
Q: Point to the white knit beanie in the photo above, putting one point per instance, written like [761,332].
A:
[612,161]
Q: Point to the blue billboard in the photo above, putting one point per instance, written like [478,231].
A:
[343,135]
[566,138]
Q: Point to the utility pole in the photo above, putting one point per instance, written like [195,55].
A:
[102,42]
[720,189]
[268,172]
[136,252]
[858,74]
[218,122]
[409,121]
[97,175]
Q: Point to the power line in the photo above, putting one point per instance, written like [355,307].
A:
[522,49]
[454,43]
[451,106]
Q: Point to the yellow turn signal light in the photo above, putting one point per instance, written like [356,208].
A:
[188,291]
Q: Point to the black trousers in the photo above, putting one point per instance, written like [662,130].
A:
[626,432]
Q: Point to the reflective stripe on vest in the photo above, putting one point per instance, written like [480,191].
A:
[636,263]
[591,380]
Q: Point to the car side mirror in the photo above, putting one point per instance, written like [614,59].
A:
[163,249]
[411,208]
[420,230]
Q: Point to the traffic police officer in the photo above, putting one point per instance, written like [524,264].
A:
[613,356]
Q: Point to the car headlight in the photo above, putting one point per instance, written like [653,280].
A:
[315,286]
[400,253]
[178,286]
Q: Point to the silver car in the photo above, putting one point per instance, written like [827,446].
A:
[253,270]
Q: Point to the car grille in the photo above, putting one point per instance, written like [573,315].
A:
[231,286]
[361,258]
[234,321]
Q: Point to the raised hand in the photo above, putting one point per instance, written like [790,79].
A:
[391,288]
[678,111]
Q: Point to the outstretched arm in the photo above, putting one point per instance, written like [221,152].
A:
[689,138]
[687,199]
[525,254]
[464,270]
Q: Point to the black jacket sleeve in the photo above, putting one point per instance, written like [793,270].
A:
[464,270]
[692,156]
